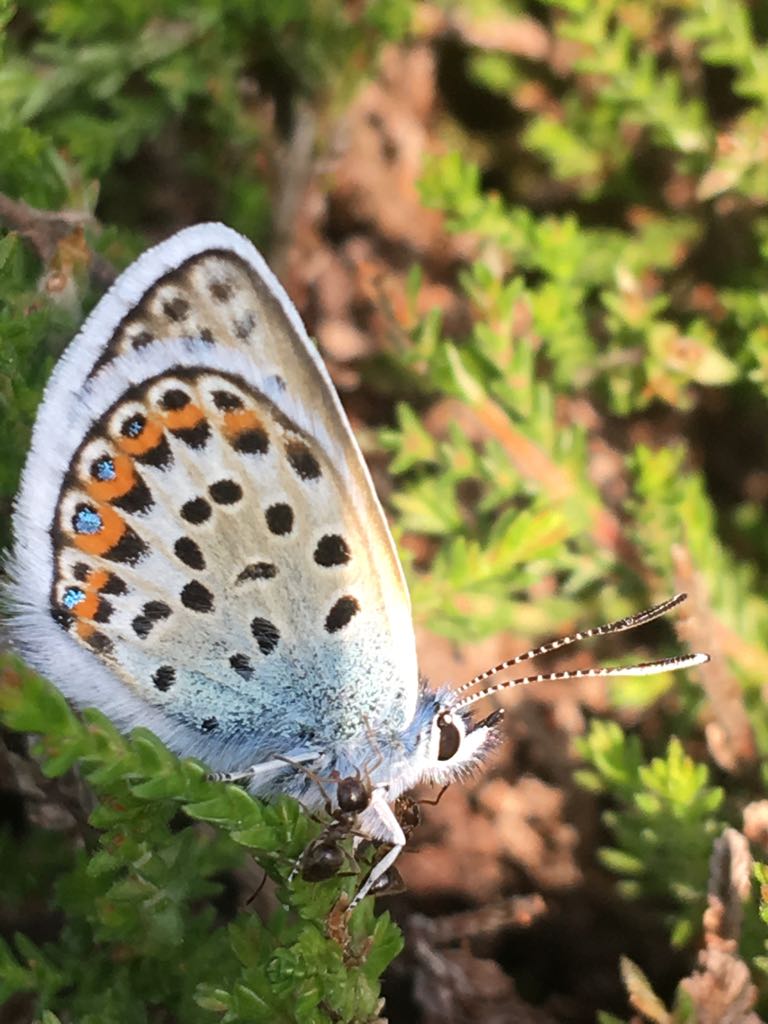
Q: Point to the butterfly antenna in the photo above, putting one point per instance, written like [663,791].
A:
[618,626]
[648,668]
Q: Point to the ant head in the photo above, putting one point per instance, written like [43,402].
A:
[352,795]
[407,813]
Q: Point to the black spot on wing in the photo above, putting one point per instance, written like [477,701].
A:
[342,613]
[103,611]
[226,492]
[188,552]
[265,633]
[302,461]
[196,511]
[251,441]
[220,290]
[176,309]
[165,677]
[62,617]
[137,500]
[161,456]
[174,399]
[156,610]
[279,518]
[99,642]
[152,612]
[242,326]
[194,437]
[241,663]
[196,597]
[115,585]
[331,550]
[142,339]
[226,401]
[129,549]
[257,571]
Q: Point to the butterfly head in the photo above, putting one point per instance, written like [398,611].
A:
[456,742]
[446,743]
[441,745]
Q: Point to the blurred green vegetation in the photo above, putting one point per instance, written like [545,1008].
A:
[614,202]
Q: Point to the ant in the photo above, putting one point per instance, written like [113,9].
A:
[324,856]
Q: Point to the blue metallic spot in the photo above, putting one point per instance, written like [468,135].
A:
[72,596]
[104,469]
[87,520]
[134,426]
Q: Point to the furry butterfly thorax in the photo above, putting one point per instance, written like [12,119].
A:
[199,548]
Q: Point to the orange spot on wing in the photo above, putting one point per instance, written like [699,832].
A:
[184,419]
[238,420]
[88,607]
[85,630]
[149,438]
[110,533]
[125,478]
[98,578]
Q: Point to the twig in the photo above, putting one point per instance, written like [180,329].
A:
[295,171]
[730,737]
[46,229]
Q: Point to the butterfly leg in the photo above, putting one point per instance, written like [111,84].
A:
[395,836]
[263,768]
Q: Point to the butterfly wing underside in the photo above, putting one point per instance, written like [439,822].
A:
[199,545]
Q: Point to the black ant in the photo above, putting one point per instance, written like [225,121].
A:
[324,856]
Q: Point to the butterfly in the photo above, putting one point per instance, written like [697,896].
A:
[199,548]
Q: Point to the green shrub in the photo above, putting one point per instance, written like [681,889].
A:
[140,929]
[616,307]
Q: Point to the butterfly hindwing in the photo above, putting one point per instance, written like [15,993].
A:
[198,525]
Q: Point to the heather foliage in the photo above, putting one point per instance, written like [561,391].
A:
[605,443]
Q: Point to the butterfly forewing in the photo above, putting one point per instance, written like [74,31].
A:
[209,283]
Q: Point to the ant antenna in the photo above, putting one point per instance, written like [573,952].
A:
[618,626]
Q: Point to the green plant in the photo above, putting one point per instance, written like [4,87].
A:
[587,434]
[665,821]
[139,891]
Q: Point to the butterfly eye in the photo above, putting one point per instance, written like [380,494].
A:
[450,737]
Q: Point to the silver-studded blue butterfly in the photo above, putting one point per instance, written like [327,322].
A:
[199,548]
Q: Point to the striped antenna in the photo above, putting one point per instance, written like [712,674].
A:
[648,668]
[630,622]
[618,626]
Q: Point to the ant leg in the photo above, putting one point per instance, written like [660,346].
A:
[295,762]
[438,798]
